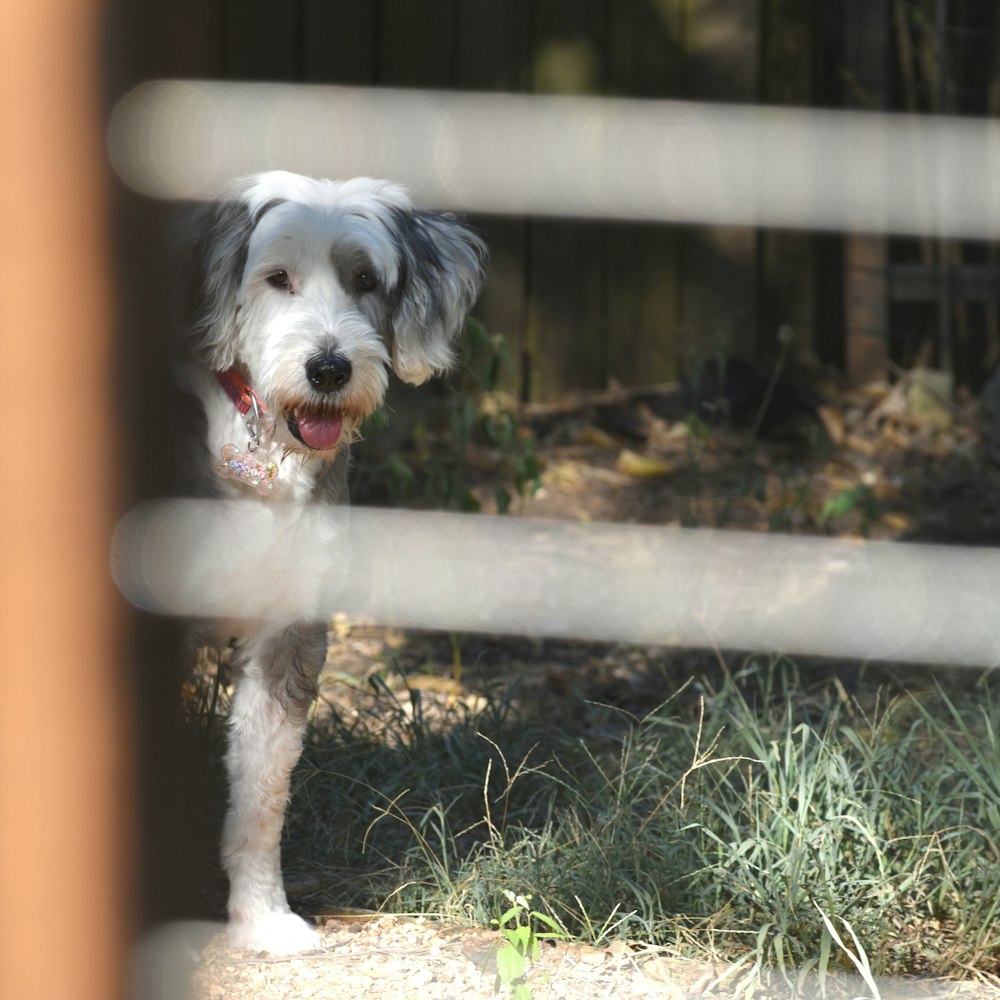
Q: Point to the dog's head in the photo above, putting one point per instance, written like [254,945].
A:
[312,289]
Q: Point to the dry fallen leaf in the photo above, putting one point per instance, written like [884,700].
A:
[898,523]
[564,476]
[589,434]
[927,401]
[833,423]
[641,466]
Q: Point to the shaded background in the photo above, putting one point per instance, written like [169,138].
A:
[587,304]
[583,305]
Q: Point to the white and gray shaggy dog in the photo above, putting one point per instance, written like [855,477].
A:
[306,293]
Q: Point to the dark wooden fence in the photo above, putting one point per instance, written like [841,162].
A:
[586,304]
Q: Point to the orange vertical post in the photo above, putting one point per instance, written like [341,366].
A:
[64,826]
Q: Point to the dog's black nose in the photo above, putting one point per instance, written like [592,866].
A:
[328,372]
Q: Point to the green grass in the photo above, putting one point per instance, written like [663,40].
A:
[739,826]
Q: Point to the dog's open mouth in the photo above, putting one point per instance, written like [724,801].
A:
[316,429]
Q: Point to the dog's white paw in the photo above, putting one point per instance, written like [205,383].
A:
[275,933]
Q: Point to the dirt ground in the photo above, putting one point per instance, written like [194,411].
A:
[391,958]
[884,461]
[900,461]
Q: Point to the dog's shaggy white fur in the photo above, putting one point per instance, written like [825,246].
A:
[306,293]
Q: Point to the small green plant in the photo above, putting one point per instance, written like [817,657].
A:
[786,336]
[705,412]
[479,436]
[860,499]
[519,924]
[487,358]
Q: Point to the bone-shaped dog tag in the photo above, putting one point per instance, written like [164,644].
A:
[242,465]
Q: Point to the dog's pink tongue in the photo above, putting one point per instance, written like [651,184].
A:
[319,431]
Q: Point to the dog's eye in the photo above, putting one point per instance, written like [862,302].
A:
[279,279]
[365,280]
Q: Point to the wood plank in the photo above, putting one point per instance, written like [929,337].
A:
[787,260]
[568,47]
[566,308]
[642,260]
[166,38]
[992,318]
[644,335]
[261,42]
[493,54]
[494,45]
[866,258]
[922,283]
[418,43]
[721,49]
[566,336]
[866,308]
[340,41]
[719,280]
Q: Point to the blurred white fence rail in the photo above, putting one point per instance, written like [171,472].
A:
[830,597]
[575,156]
[582,157]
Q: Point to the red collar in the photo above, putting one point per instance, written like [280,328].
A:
[239,392]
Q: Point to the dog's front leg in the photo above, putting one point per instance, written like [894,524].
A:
[268,717]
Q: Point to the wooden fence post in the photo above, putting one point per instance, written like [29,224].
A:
[866,259]
[566,329]
[719,290]
[643,261]
[787,269]
[493,54]
[65,812]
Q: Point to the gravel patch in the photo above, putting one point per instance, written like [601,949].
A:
[387,958]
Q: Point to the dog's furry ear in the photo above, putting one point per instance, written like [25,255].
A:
[216,238]
[442,268]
